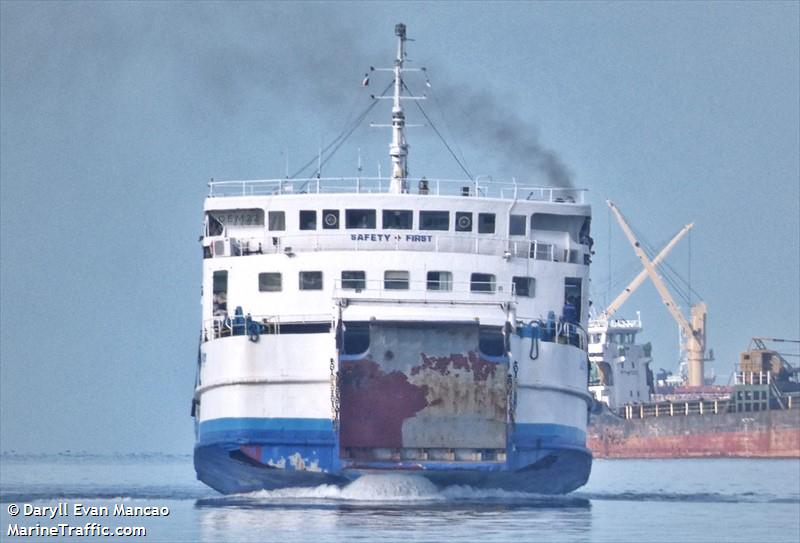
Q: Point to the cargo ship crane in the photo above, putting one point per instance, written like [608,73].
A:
[694,331]
[639,279]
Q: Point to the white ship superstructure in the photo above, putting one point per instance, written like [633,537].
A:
[620,371]
[393,324]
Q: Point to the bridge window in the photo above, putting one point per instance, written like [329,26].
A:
[525,286]
[463,221]
[277,220]
[516,226]
[308,220]
[398,219]
[440,280]
[354,280]
[311,280]
[330,219]
[395,280]
[486,223]
[434,220]
[360,218]
[269,282]
[482,282]
[238,217]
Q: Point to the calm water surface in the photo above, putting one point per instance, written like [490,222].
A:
[625,500]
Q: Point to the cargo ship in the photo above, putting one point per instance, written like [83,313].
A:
[758,416]
[393,325]
[637,416]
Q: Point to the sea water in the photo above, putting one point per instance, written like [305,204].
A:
[726,500]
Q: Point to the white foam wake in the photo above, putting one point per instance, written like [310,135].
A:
[387,488]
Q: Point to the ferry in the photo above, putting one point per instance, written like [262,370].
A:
[393,325]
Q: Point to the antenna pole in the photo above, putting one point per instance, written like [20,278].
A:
[398,149]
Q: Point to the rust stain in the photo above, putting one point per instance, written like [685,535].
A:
[481,369]
[374,404]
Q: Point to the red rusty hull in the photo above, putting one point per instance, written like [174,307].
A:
[765,434]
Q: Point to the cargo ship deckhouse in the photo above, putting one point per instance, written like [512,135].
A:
[397,324]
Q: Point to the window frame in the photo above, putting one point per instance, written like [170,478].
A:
[359,286]
[491,283]
[260,283]
[405,212]
[439,282]
[301,278]
[306,212]
[511,229]
[531,286]
[462,226]
[371,225]
[276,214]
[430,213]
[483,226]
[387,281]
[336,225]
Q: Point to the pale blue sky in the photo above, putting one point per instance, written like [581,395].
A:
[114,115]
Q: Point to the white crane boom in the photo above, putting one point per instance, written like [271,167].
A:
[666,297]
[639,279]
[695,332]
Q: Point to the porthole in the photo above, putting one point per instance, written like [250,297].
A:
[330,219]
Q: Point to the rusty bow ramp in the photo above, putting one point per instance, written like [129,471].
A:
[423,392]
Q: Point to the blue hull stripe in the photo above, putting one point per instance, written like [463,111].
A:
[277,431]
[548,436]
[286,431]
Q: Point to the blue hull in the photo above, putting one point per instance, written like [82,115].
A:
[244,455]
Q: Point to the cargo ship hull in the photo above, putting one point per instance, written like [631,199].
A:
[772,433]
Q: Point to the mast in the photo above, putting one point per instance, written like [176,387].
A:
[398,149]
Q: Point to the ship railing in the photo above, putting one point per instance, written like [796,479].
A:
[477,188]
[571,253]
[553,331]
[397,289]
[225,325]
[752,378]
[675,409]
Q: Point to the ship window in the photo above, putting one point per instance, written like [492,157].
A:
[239,217]
[308,219]
[440,280]
[277,220]
[214,226]
[354,279]
[360,218]
[516,226]
[481,282]
[525,286]
[395,280]
[572,297]
[311,280]
[220,292]
[486,223]
[269,282]
[330,219]
[434,220]
[463,221]
[398,219]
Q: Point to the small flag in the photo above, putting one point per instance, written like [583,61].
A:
[365,82]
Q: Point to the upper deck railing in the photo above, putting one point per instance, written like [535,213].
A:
[479,188]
